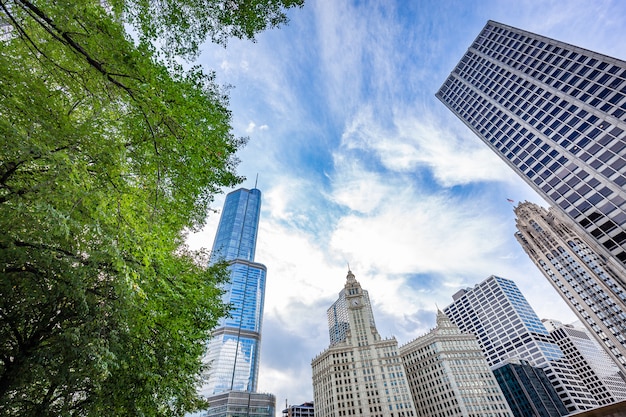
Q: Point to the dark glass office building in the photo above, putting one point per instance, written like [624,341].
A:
[528,390]
[556,114]
[234,349]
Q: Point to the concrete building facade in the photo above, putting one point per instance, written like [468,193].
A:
[449,376]
[556,114]
[507,327]
[361,375]
[591,287]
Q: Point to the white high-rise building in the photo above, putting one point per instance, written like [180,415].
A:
[449,376]
[592,288]
[507,327]
[595,368]
[360,374]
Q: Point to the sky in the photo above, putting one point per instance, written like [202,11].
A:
[359,164]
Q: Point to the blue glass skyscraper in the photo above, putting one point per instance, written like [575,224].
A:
[234,349]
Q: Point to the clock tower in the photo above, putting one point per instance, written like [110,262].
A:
[350,298]
[360,374]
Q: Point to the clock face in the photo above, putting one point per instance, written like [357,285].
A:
[355,302]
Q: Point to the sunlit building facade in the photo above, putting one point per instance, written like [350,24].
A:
[338,320]
[361,375]
[449,376]
[595,368]
[234,348]
[592,288]
[507,327]
[556,114]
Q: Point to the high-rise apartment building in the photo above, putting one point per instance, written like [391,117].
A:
[555,113]
[592,288]
[595,368]
[361,374]
[528,390]
[234,348]
[449,376]
[507,328]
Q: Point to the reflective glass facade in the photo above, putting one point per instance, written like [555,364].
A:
[234,349]
[242,404]
[238,227]
[556,114]
[528,390]
[507,328]
[592,289]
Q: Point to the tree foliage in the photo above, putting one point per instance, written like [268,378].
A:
[109,152]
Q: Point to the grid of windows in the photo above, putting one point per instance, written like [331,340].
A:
[234,403]
[584,280]
[508,328]
[593,365]
[528,390]
[361,375]
[449,376]
[556,114]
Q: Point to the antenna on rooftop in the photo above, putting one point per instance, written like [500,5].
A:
[256,180]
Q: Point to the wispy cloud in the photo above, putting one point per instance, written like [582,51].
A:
[412,142]
[358,162]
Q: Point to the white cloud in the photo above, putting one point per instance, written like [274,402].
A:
[348,93]
[225,66]
[413,142]
[413,233]
[355,187]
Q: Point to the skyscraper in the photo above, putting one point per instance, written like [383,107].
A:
[596,369]
[555,113]
[528,390]
[234,348]
[361,374]
[338,319]
[507,327]
[592,288]
[449,376]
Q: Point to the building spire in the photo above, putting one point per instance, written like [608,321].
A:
[350,277]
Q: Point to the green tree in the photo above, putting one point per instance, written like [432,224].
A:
[110,151]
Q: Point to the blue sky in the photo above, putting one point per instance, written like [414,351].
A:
[359,163]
